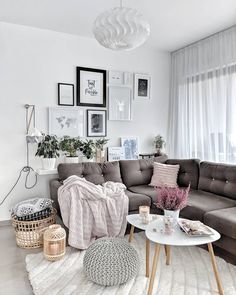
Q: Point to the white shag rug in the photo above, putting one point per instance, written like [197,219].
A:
[190,273]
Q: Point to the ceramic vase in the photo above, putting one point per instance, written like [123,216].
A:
[173,214]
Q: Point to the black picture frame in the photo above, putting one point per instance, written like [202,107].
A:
[60,103]
[80,100]
[102,133]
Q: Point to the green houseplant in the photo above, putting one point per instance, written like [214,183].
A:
[48,149]
[70,145]
[100,151]
[87,148]
[159,143]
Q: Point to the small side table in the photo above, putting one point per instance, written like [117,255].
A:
[135,221]
[178,238]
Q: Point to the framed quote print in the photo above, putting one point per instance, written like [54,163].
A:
[91,87]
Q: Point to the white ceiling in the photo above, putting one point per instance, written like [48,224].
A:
[174,23]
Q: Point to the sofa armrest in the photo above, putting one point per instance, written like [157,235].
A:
[54,185]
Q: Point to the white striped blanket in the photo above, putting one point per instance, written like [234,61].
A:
[92,211]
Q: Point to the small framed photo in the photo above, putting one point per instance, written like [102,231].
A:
[120,101]
[96,123]
[66,121]
[116,154]
[91,87]
[130,146]
[65,94]
[142,86]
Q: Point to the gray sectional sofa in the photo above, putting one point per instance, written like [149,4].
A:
[212,198]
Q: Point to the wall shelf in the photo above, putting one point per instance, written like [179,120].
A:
[46,171]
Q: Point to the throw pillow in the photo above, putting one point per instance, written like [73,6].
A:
[31,206]
[164,175]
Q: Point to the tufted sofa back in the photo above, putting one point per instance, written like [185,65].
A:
[138,172]
[97,173]
[188,171]
[219,179]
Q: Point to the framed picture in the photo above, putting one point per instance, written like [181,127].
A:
[120,101]
[66,121]
[96,123]
[120,78]
[91,87]
[65,94]
[130,145]
[116,154]
[142,86]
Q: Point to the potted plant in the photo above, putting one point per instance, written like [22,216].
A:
[100,151]
[87,148]
[159,143]
[48,149]
[172,200]
[70,145]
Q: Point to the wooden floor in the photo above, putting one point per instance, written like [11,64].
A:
[13,275]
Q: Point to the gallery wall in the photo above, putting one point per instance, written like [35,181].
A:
[32,62]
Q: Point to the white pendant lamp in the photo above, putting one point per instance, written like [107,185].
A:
[121,28]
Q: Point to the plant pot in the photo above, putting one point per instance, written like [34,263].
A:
[84,159]
[48,163]
[173,214]
[100,156]
[71,160]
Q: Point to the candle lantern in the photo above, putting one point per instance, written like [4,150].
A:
[144,212]
[54,241]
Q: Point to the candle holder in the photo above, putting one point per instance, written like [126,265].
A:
[144,212]
[54,242]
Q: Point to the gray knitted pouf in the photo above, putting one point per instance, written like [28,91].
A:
[111,261]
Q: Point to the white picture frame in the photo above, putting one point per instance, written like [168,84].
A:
[131,147]
[66,121]
[119,78]
[120,103]
[142,84]
[116,154]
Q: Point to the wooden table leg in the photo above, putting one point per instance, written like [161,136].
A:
[147,256]
[131,234]
[154,268]
[167,254]
[213,261]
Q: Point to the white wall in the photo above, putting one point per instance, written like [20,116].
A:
[32,62]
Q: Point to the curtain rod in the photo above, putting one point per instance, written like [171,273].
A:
[209,36]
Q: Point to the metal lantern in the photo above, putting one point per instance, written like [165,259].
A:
[54,240]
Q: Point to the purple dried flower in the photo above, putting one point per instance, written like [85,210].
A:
[172,198]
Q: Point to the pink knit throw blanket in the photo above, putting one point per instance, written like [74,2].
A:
[92,211]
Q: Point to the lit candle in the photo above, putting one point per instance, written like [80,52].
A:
[144,214]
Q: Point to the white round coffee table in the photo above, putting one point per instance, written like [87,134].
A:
[135,221]
[178,238]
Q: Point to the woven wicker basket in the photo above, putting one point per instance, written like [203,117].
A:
[29,234]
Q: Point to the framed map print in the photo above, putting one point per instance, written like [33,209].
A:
[66,121]
[91,87]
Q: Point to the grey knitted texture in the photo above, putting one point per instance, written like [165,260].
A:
[111,262]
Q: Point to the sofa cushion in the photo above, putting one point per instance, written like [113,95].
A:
[138,172]
[164,175]
[97,173]
[188,172]
[136,200]
[201,202]
[218,178]
[224,221]
[145,190]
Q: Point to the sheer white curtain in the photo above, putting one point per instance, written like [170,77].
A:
[203,99]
